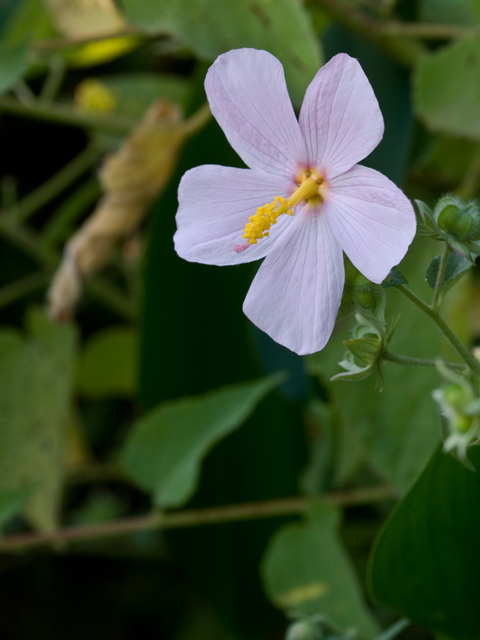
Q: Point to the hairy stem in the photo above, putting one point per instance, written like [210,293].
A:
[419,362]
[193,518]
[437,292]
[459,347]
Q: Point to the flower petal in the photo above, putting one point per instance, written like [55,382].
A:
[248,96]
[297,291]
[340,117]
[214,206]
[371,218]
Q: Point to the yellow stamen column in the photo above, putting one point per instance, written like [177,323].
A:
[259,225]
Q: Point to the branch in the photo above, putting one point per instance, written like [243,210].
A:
[63,115]
[193,518]
[429,31]
[402,48]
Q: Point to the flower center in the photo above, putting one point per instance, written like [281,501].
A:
[259,225]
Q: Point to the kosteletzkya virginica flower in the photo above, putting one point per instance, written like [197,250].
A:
[302,200]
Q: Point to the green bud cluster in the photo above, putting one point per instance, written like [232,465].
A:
[455,221]
[361,296]
[460,408]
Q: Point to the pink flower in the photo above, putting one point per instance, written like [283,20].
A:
[302,201]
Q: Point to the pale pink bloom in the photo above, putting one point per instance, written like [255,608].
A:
[331,203]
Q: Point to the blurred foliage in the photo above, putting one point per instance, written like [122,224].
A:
[160,394]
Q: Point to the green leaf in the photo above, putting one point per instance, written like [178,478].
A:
[12,502]
[456,267]
[211,27]
[394,278]
[164,451]
[13,63]
[447,89]
[29,20]
[35,384]
[426,560]
[306,569]
[108,364]
[395,431]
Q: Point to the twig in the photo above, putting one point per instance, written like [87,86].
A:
[27,241]
[56,184]
[63,115]
[470,184]
[429,31]
[420,362]
[456,343]
[437,292]
[16,290]
[193,518]
[404,49]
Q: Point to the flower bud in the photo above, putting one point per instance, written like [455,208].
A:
[456,396]
[364,297]
[462,423]
[460,409]
[455,221]
[448,216]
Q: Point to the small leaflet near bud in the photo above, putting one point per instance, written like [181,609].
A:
[456,267]
[394,279]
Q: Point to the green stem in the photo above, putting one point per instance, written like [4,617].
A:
[469,186]
[437,292]
[459,347]
[16,290]
[53,82]
[404,49]
[194,518]
[59,225]
[428,31]
[420,362]
[27,241]
[55,185]
[62,115]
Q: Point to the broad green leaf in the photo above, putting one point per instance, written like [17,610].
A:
[13,63]
[211,27]
[461,12]
[395,430]
[164,451]
[447,89]
[305,569]
[35,385]
[29,20]
[456,267]
[12,502]
[426,560]
[108,364]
